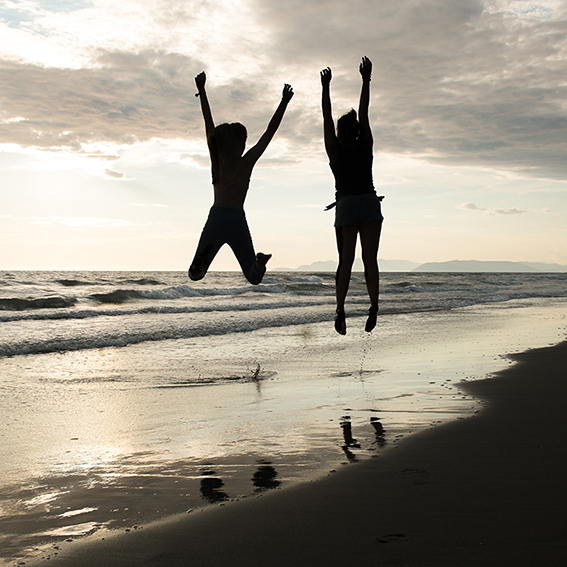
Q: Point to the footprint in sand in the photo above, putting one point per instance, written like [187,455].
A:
[417,476]
[393,538]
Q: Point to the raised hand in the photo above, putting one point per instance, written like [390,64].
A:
[287,93]
[365,68]
[200,80]
[326,76]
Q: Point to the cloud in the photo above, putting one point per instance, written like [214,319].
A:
[459,82]
[125,98]
[82,222]
[115,174]
[512,211]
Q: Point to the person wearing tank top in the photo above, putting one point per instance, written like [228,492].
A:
[353,170]
[358,208]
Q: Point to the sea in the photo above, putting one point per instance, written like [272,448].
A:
[129,396]
[43,312]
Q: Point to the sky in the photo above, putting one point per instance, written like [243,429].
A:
[104,164]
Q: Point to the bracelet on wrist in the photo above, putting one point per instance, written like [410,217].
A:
[200,93]
[366,79]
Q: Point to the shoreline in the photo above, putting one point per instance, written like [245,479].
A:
[486,490]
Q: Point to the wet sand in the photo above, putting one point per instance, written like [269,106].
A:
[487,490]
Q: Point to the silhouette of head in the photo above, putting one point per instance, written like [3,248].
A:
[229,139]
[348,128]
[227,143]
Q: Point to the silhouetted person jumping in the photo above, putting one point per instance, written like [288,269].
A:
[358,207]
[231,171]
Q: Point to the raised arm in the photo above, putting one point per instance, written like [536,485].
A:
[331,142]
[254,153]
[363,119]
[200,81]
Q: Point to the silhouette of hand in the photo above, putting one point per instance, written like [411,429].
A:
[287,93]
[200,80]
[365,68]
[326,76]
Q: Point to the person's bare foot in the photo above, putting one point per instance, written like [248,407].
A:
[371,321]
[261,261]
[340,321]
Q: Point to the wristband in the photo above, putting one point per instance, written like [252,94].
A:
[366,79]
[200,93]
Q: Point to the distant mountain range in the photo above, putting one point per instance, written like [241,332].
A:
[478,266]
[451,266]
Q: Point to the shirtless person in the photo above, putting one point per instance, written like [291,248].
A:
[231,171]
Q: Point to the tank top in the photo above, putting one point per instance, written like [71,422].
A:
[353,171]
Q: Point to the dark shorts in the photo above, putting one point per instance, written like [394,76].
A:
[354,210]
[226,225]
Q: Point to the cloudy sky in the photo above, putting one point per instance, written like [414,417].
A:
[103,162]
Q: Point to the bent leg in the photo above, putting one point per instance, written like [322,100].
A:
[346,246]
[209,245]
[253,265]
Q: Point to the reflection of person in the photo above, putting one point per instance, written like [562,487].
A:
[232,169]
[265,477]
[358,207]
[211,489]
[379,431]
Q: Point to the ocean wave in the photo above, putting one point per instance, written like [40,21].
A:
[400,286]
[178,292]
[118,296]
[120,336]
[18,304]
[310,279]
[404,287]
[277,288]
[73,283]
[86,313]
[503,283]
[129,307]
[143,281]
[316,289]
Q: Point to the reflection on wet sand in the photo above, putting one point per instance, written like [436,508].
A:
[351,443]
[346,426]
[211,489]
[265,477]
[127,492]
[379,431]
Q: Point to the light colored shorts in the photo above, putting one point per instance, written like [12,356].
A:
[354,210]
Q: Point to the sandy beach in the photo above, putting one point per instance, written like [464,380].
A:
[481,491]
